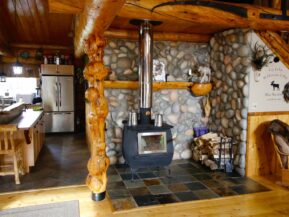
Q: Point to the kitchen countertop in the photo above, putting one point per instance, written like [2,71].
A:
[27,119]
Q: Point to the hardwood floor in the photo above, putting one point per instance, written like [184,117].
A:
[272,203]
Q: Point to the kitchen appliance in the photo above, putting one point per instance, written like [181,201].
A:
[58,101]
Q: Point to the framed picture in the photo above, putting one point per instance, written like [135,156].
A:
[159,72]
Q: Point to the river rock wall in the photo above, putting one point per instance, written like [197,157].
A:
[231,64]
[179,107]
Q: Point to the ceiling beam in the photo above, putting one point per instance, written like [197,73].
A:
[66,6]
[95,19]
[225,15]
[158,36]
[5,49]
[42,46]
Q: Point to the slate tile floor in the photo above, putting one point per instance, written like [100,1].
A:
[61,162]
[188,181]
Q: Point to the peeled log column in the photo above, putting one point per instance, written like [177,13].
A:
[94,73]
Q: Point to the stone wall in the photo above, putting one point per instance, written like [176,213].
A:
[121,57]
[179,107]
[231,65]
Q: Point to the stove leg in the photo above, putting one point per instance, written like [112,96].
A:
[168,171]
[133,171]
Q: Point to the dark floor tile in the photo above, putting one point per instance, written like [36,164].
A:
[185,178]
[186,196]
[111,171]
[147,175]
[128,176]
[179,187]
[220,176]
[187,166]
[223,192]
[182,161]
[193,171]
[124,204]
[114,178]
[169,180]
[146,200]
[202,176]
[158,189]
[247,189]
[149,182]
[160,173]
[119,194]
[115,185]
[139,191]
[134,184]
[211,183]
[205,194]
[166,198]
[122,168]
[195,186]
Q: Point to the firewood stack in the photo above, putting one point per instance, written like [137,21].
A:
[207,150]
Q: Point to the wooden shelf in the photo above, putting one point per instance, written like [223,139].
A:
[156,85]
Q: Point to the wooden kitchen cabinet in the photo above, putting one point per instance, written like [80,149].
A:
[52,69]
[37,136]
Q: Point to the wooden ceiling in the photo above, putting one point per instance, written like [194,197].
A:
[30,22]
[51,22]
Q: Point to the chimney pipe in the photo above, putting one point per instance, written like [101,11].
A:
[145,70]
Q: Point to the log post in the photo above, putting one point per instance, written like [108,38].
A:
[94,73]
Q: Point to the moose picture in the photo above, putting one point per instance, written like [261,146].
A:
[275,85]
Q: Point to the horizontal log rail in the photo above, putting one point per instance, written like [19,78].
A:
[159,36]
[156,85]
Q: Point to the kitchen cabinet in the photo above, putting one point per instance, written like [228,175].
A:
[52,69]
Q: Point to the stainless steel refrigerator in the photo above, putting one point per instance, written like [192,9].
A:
[58,103]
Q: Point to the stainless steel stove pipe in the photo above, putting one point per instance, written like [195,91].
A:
[145,70]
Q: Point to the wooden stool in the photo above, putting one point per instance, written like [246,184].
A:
[10,147]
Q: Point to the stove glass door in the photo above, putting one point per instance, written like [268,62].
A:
[152,142]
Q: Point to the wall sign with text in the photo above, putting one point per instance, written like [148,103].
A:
[266,86]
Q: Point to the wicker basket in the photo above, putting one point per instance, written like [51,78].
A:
[201,89]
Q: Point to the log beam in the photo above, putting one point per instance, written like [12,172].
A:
[156,85]
[66,6]
[5,49]
[96,18]
[225,17]
[159,36]
[42,46]
[94,73]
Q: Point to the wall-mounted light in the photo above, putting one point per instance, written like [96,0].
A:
[17,68]
[2,77]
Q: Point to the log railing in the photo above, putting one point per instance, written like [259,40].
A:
[156,85]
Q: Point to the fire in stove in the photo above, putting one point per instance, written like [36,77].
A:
[146,142]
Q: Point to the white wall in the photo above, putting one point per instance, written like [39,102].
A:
[262,96]
[23,86]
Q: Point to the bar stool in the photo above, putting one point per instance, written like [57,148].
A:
[9,146]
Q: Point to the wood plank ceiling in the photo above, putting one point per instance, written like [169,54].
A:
[30,22]
[51,22]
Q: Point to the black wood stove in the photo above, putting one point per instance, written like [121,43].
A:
[145,144]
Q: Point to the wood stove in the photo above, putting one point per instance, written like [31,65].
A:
[144,144]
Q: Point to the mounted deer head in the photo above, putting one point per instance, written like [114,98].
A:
[261,56]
